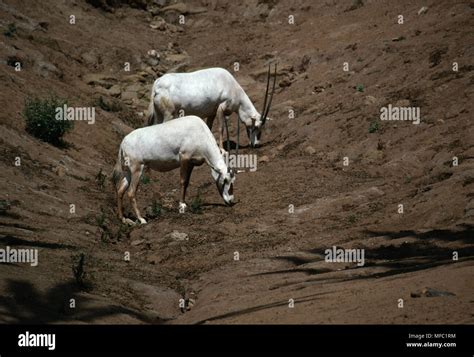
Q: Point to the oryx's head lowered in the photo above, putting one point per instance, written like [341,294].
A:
[225,184]
[256,122]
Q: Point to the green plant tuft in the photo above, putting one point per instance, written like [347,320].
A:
[41,122]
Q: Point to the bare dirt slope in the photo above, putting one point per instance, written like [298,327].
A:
[281,251]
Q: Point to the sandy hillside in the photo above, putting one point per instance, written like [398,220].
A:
[299,202]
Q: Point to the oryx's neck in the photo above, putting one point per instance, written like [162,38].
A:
[247,105]
[214,157]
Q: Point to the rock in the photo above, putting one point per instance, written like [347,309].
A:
[402,103]
[153,58]
[184,9]
[177,236]
[99,79]
[91,58]
[370,100]
[150,71]
[284,83]
[153,54]
[129,96]
[46,69]
[137,242]
[134,78]
[59,170]
[429,292]
[101,90]
[310,150]
[264,158]
[423,10]
[374,155]
[114,91]
[373,192]
[158,24]
[134,88]
[178,57]
[399,38]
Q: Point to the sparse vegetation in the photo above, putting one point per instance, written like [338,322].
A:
[11,30]
[100,219]
[100,179]
[78,270]
[196,204]
[41,122]
[156,208]
[360,87]
[144,179]
[5,206]
[374,126]
[352,219]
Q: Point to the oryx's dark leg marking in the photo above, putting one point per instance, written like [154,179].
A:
[185,170]
[222,114]
[121,189]
[136,170]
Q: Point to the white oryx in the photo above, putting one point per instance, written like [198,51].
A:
[208,93]
[184,142]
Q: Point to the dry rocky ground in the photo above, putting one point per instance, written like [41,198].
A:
[301,200]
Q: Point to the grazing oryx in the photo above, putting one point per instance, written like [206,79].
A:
[184,142]
[208,93]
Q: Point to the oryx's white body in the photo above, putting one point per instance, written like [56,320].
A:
[206,93]
[184,142]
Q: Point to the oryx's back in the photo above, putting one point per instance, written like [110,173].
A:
[198,92]
[165,141]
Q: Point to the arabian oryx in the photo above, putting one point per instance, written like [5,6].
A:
[184,142]
[208,93]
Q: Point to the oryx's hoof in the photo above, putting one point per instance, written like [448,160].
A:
[128,221]
[142,220]
[182,207]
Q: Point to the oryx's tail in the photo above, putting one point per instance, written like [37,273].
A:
[117,174]
[151,116]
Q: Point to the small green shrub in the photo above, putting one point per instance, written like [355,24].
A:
[359,88]
[374,126]
[11,30]
[145,179]
[196,204]
[100,179]
[78,271]
[156,208]
[41,122]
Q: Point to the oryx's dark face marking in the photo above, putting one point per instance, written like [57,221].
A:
[225,186]
[254,132]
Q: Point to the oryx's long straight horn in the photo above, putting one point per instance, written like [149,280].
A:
[266,92]
[267,109]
